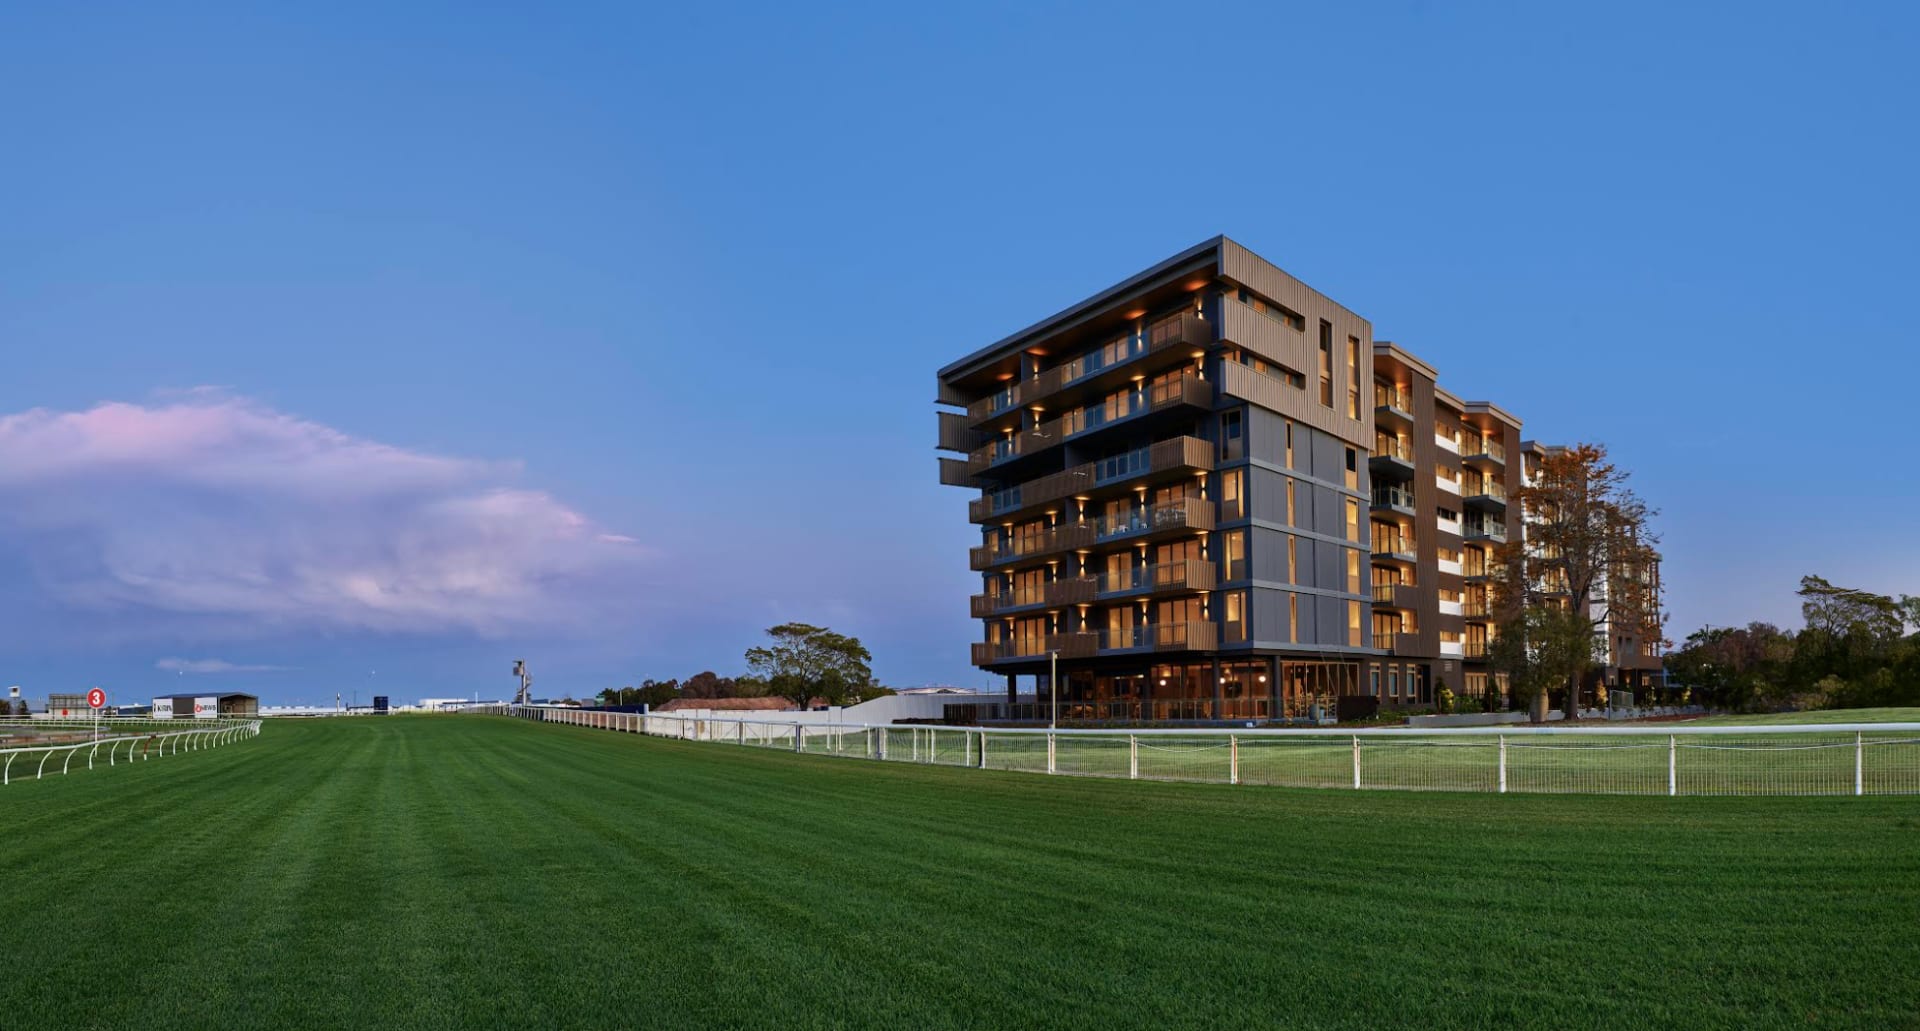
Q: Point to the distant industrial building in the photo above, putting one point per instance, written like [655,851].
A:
[203,706]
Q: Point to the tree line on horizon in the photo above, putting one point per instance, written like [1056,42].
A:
[1857,650]
[800,663]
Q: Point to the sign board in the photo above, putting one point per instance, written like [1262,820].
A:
[96,699]
[163,708]
[206,708]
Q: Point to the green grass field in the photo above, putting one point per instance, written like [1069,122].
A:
[1816,716]
[482,872]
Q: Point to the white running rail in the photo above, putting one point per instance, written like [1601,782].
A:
[53,745]
[1649,759]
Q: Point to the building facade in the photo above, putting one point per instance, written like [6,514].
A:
[1206,493]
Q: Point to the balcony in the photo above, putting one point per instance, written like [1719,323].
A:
[1397,643]
[1186,330]
[1081,644]
[1054,539]
[1487,453]
[1162,637]
[1474,650]
[1392,404]
[1076,590]
[1181,455]
[1167,519]
[1082,423]
[1484,530]
[1395,549]
[1396,596]
[1484,495]
[1392,459]
[1160,578]
[1396,500]
[1476,609]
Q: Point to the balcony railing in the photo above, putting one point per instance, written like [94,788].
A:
[1064,537]
[1485,450]
[1394,399]
[1165,456]
[1393,497]
[1392,447]
[1484,530]
[1184,575]
[1194,636]
[1186,329]
[1183,514]
[1399,596]
[1395,547]
[1474,490]
[1182,390]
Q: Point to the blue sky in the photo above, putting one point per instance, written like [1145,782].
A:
[362,348]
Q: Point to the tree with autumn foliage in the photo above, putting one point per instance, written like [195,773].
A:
[1587,560]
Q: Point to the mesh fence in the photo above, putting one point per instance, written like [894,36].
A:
[1836,759]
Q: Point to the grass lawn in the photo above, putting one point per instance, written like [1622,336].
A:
[462,872]
[1909,715]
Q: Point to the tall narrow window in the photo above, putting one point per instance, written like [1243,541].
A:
[1293,617]
[1289,443]
[1353,520]
[1326,363]
[1353,377]
[1233,502]
[1235,554]
[1290,521]
[1353,470]
[1353,571]
[1353,624]
[1232,443]
[1292,556]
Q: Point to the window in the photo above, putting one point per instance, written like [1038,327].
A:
[1373,681]
[1353,520]
[1233,501]
[1353,381]
[1289,446]
[1326,363]
[1290,521]
[1232,443]
[1234,627]
[1393,681]
[1234,554]
[1448,515]
[1353,571]
[1353,471]
[1277,312]
[1353,624]
[1293,617]
[1292,577]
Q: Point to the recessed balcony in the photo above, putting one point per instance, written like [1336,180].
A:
[1484,496]
[1083,424]
[1397,643]
[1183,577]
[1052,540]
[1392,404]
[1393,500]
[1080,644]
[1488,454]
[1154,463]
[1484,530]
[1099,369]
[1396,596]
[1398,550]
[1392,459]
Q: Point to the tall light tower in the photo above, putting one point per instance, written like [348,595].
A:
[526,682]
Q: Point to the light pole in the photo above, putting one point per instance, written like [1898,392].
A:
[1053,688]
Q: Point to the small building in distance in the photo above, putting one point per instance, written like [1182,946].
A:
[728,705]
[205,706]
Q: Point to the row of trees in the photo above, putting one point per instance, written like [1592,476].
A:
[1857,649]
[800,663]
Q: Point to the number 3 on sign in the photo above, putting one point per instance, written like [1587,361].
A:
[96,699]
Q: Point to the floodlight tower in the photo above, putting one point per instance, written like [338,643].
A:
[526,682]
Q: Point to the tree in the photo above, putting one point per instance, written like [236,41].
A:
[1736,668]
[806,662]
[708,684]
[655,693]
[1590,554]
[1539,648]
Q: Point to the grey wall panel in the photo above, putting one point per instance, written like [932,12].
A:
[1269,608]
[1267,551]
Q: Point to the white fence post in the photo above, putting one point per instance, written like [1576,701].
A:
[1356,762]
[1859,767]
[1673,765]
[983,749]
[1049,751]
[883,744]
[797,738]
[1233,759]
[1133,757]
[1503,764]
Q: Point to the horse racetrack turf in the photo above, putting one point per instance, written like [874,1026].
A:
[473,871]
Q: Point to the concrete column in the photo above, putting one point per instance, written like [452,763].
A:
[1219,696]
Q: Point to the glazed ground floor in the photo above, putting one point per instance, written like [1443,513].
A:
[1236,688]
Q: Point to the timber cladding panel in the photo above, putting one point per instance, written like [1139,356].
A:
[1239,265]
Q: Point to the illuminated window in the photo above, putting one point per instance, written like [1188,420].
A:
[1326,363]
[1353,571]
[1353,383]
[1353,520]
[1353,624]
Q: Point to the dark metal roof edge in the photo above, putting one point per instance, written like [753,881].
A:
[1101,299]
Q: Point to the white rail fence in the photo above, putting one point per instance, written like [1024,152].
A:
[45,746]
[1814,759]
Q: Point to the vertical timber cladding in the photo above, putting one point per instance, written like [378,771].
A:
[1241,266]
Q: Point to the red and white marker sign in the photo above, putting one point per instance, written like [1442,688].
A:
[97,699]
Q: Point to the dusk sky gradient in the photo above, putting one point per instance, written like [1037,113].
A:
[355,348]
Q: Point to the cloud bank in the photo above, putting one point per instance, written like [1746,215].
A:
[211,666]
[212,513]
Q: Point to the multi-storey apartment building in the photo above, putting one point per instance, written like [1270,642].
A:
[1205,493]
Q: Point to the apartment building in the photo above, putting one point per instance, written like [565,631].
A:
[1206,493]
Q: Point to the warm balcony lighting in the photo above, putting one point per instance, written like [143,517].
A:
[1140,377]
[1263,678]
[1137,313]
[1196,284]
[1199,354]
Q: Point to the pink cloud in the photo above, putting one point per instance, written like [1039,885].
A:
[232,515]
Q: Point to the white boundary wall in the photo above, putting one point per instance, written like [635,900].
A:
[1829,759]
